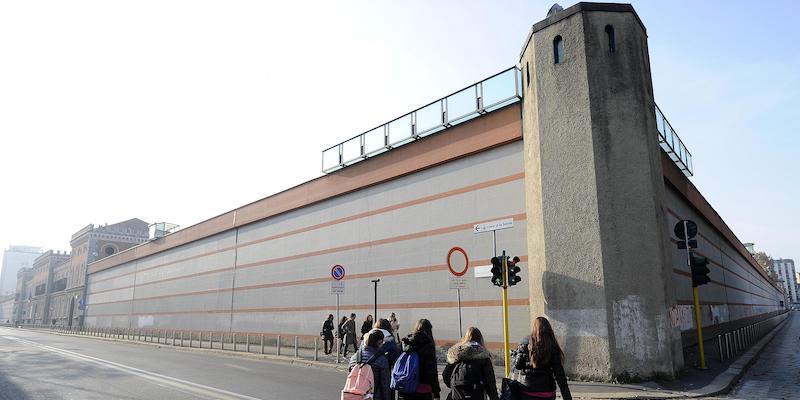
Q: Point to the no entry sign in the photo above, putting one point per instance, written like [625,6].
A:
[337,272]
[457,261]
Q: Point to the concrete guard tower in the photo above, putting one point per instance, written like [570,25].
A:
[599,267]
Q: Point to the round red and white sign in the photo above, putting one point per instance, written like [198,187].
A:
[457,261]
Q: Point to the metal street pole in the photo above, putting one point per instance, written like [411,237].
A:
[460,329]
[696,296]
[375,306]
[506,346]
[337,342]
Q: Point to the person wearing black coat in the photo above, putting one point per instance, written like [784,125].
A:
[422,343]
[366,326]
[327,334]
[469,372]
[539,360]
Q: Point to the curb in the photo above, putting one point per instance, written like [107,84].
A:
[721,384]
[228,353]
[725,381]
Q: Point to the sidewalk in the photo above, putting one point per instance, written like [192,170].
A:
[695,383]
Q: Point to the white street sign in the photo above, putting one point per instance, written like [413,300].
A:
[337,287]
[483,271]
[494,225]
[458,282]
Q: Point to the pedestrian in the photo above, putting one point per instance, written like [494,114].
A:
[539,361]
[469,372]
[327,334]
[390,347]
[395,327]
[422,343]
[366,326]
[340,333]
[371,353]
[350,334]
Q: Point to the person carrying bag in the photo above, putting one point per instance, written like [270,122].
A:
[538,360]
[469,372]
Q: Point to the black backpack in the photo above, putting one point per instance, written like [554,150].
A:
[467,381]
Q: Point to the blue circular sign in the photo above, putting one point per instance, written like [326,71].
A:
[337,272]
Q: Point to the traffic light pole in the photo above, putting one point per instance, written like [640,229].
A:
[699,328]
[696,295]
[506,349]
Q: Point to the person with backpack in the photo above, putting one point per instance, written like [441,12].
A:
[340,333]
[369,371]
[390,348]
[350,334]
[539,361]
[327,334]
[469,372]
[415,375]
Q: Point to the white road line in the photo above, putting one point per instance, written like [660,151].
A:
[181,384]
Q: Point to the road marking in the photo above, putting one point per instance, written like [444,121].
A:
[237,367]
[180,384]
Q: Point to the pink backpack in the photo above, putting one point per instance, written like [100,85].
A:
[360,383]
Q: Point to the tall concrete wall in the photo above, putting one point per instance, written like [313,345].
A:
[594,187]
[739,291]
[399,231]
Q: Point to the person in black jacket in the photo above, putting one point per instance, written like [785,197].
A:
[422,342]
[340,334]
[366,326]
[539,360]
[327,334]
[469,372]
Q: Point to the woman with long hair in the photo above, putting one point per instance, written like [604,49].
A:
[366,326]
[327,334]
[539,360]
[340,333]
[422,343]
[469,372]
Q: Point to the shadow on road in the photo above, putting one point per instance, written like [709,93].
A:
[9,390]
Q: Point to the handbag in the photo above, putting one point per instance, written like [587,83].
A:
[510,389]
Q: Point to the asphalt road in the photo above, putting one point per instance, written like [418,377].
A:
[38,365]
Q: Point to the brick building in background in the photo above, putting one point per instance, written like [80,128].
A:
[52,290]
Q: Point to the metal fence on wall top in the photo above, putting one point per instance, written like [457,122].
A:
[490,94]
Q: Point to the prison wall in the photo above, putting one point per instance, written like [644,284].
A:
[272,275]
[740,291]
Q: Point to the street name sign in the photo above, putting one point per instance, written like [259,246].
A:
[494,225]
[483,271]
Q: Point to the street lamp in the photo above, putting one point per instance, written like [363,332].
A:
[375,306]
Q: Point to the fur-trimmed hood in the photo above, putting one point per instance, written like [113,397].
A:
[467,352]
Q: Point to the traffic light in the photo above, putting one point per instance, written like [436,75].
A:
[497,271]
[513,270]
[700,270]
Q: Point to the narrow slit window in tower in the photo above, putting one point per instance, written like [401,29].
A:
[528,73]
[558,50]
[612,40]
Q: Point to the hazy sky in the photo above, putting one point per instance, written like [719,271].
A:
[181,110]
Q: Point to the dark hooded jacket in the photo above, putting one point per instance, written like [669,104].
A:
[423,345]
[380,370]
[480,360]
[540,379]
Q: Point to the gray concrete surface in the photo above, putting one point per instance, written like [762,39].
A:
[38,365]
[776,373]
[594,195]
